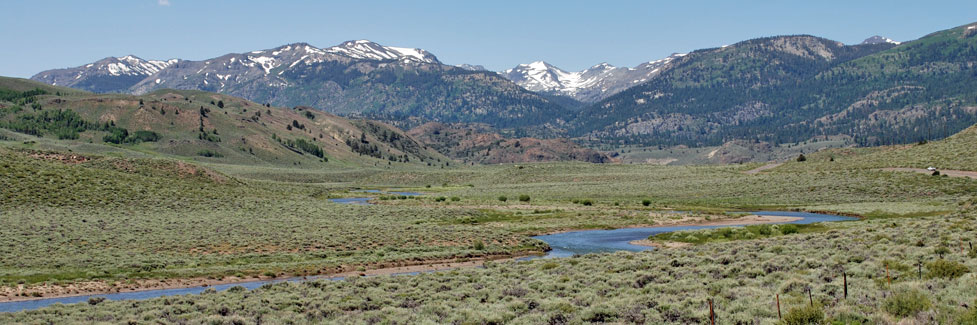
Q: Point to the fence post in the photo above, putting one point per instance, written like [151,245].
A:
[712,314]
[779,316]
[887,277]
[845,277]
[809,296]
[919,267]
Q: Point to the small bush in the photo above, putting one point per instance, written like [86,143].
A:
[524,198]
[946,269]
[455,199]
[906,303]
[440,199]
[209,153]
[503,198]
[788,229]
[587,202]
[801,158]
[479,245]
[645,202]
[804,315]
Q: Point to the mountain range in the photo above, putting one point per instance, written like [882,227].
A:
[774,89]
[355,77]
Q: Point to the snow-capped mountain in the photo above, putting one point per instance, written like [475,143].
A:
[472,67]
[130,74]
[879,40]
[366,50]
[590,85]
[110,72]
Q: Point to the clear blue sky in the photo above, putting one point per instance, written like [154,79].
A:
[498,34]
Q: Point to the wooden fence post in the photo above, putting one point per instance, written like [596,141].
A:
[809,296]
[845,277]
[779,316]
[712,314]
[887,277]
[919,267]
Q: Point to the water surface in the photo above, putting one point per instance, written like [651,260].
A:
[602,241]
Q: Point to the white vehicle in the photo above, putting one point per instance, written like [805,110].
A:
[931,168]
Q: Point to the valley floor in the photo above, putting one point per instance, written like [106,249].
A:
[125,223]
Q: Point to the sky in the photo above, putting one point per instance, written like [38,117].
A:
[499,34]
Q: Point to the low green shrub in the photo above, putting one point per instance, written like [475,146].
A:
[804,315]
[906,303]
[946,269]
[209,153]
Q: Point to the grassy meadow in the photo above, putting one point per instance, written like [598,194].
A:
[113,220]
[902,270]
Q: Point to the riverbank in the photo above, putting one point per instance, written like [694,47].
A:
[89,288]
[742,221]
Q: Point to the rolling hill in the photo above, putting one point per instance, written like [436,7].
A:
[199,125]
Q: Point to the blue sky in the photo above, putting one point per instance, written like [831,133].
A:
[499,34]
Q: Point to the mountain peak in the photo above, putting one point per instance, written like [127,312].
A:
[879,40]
[368,50]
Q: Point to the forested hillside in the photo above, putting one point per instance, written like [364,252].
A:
[792,88]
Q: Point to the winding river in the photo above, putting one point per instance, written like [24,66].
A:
[563,245]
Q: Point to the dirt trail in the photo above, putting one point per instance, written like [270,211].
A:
[951,173]
[762,168]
